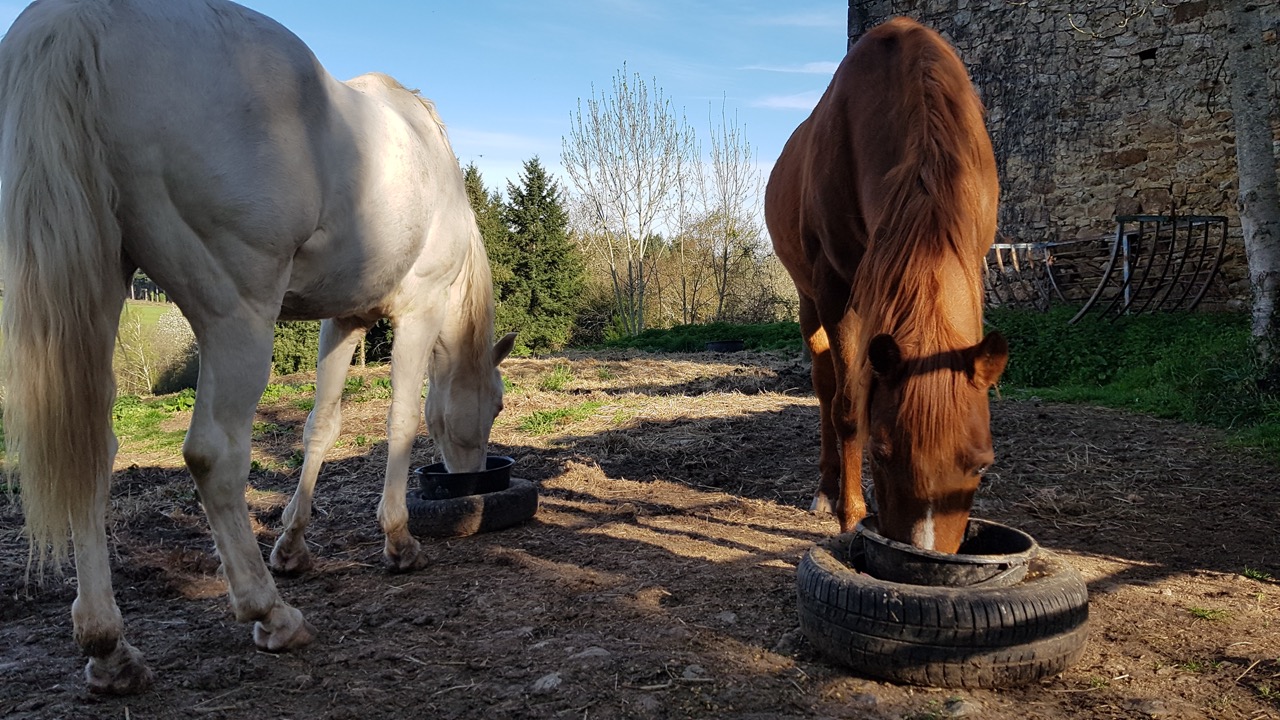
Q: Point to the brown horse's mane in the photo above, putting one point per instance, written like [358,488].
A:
[931,225]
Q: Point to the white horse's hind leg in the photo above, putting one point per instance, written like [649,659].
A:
[115,667]
[235,360]
[410,350]
[338,339]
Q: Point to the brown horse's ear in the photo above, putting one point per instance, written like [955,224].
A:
[989,358]
[884,354]
[502,348]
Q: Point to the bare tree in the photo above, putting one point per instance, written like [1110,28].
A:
[687,262]
[735,193]
[1259,200]
[622,156]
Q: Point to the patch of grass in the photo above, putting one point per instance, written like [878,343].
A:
[265,429]
[1200,666]
[1195,367]
[275,392]
[1211,614]
[605,373]
[361,389]
[178,402]
[137,422]
[555,380]
[1259,575]
[148,313]
[544,422]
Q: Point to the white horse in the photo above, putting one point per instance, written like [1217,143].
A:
[203,143]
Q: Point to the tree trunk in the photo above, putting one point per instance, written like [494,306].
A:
[1259,201]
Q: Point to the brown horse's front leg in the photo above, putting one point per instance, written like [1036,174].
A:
[852,507]
[822,370]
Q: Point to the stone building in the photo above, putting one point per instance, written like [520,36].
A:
[1100,108]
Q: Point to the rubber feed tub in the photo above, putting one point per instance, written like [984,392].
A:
[990,554]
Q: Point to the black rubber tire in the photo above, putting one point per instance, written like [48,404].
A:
[942,636]
[471,514]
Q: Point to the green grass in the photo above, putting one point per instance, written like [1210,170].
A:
[275,392]
[1211,614]
[1194,367]
[137,421]
[1191,367]
[1199,666]
[1259,575]
[149,312]
[555,380]
[545,422]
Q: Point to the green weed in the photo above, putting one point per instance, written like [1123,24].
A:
[1258,575]
[1199,666]
[1207,613]
[555,380]
[137,423]
[544,422]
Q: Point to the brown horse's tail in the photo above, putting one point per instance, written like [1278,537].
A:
[62,270]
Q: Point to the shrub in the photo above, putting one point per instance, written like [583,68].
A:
[297,347]
[155,359]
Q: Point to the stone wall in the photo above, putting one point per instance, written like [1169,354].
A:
[1099,108]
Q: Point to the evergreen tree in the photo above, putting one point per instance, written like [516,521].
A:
[488,208]
[547,270]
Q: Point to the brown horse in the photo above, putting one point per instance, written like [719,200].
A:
[881,207]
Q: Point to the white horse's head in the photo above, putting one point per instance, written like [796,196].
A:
[463,400]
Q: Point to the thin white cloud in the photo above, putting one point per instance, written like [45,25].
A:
[807,20]
[798,101]
[810,68]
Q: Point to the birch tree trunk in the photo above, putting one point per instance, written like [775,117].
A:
[1259,201]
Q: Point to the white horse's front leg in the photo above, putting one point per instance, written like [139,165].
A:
[338,339]
[411,345]
[235,361]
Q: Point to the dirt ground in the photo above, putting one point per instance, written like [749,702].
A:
[657,579]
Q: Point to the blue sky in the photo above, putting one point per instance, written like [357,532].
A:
[506,75]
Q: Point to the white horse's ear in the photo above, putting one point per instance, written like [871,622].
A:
[502,348]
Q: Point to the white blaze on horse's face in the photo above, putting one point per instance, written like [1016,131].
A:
[922,536]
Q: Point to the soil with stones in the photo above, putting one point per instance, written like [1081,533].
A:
[657,579]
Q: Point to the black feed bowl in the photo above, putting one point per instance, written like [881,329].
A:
[990,554]
[438,483]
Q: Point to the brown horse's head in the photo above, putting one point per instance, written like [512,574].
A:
[928,425]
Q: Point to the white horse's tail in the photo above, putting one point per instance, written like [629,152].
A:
[62,268]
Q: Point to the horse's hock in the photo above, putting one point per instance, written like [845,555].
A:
[995,632]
